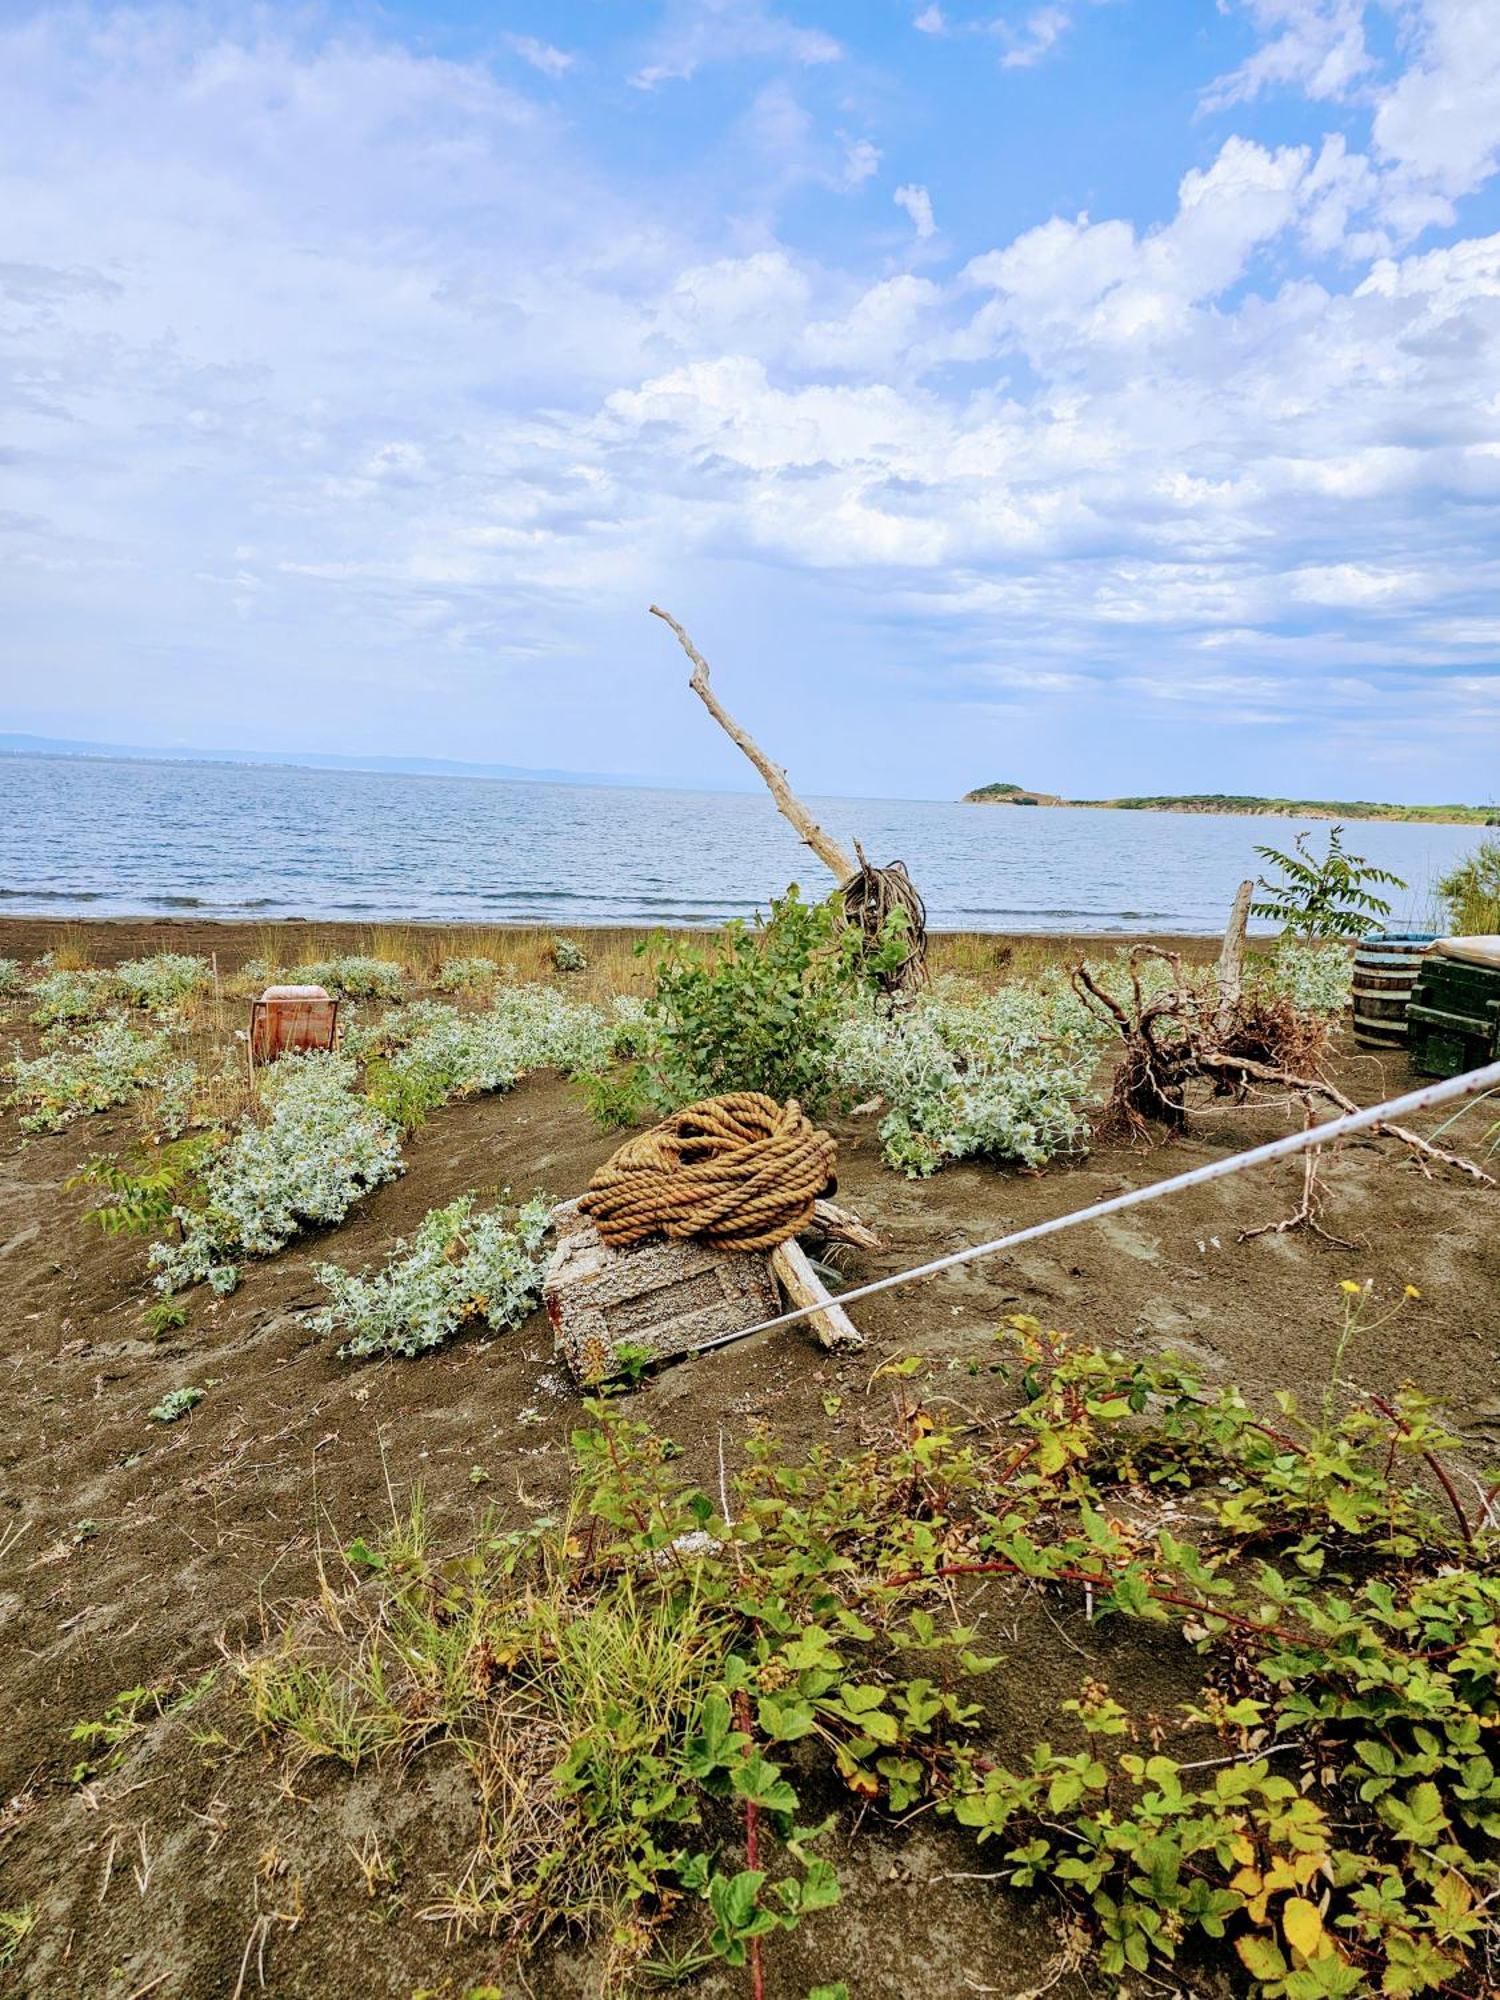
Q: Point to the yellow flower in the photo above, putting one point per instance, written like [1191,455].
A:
[1348,1285]
[1412,1292]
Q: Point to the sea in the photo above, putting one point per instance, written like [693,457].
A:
[94,837]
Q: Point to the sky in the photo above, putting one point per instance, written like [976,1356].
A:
[1098,395]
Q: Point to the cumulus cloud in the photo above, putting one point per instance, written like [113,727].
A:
[344,385]
[1315,46]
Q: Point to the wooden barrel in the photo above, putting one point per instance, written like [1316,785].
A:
[1385,971]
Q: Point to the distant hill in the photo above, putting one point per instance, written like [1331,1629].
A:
[306,760]
[1242,802]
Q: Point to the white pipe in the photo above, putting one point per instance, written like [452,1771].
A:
[1450,1088]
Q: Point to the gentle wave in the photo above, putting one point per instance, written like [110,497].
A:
[277,843]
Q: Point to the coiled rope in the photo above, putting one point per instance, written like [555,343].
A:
[740,1171]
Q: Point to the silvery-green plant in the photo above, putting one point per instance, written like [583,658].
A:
[161,981]
[460,975]
[459,1266]
[320,1147]
[1316,978]
[359,978]
[10,974]
[92,1071]
[72,995]
[1000,1076]
[523,1028]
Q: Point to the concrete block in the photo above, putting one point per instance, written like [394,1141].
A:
[666,1297]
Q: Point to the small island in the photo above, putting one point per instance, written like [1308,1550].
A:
[1243,803]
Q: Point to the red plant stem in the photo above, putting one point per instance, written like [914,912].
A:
[752,1849]
[1440,1471]
[1000,1567]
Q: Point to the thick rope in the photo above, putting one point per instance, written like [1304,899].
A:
[741,1171]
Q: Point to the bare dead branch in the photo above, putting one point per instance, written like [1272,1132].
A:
[840,864]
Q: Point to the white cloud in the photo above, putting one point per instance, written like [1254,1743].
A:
[1036,38]
[931,21]
[1440,122]
[918,204]
[700,32]
[336,373]
[1315,46]
[542,56]
[861,162]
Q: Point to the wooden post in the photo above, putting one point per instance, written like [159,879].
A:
[1230,971]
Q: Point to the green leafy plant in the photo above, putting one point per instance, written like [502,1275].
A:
[1471,892]
[147,1197]
[645,1691]
[1327,896]
[65,994]
[356,977]
[15,1927]
[568,956]
[163,980]
[616,1097]
[164,1316]
[464,975]
[757,1009]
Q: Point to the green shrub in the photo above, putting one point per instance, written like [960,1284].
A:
[146,1197]
[567,956]
[1331,897]
[757,1008]
[1471,892]
[460,1266]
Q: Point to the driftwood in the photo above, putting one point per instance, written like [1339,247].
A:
[842,1225]
[1220,1041]
[804,1287]
[870,895]
[839,863]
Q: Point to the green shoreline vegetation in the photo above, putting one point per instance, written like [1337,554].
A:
[1247,803]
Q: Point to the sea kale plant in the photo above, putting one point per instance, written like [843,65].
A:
[1316,978]
[462,1265]
[318,1146]
[428,1054]
[650,1693]
[464,975]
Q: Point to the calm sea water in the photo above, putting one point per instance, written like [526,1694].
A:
[100,838]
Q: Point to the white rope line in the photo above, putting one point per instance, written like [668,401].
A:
[1474,1084]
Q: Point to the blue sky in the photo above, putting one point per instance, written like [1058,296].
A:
[1098,394]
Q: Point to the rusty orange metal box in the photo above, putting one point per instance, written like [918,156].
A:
[287,1019]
